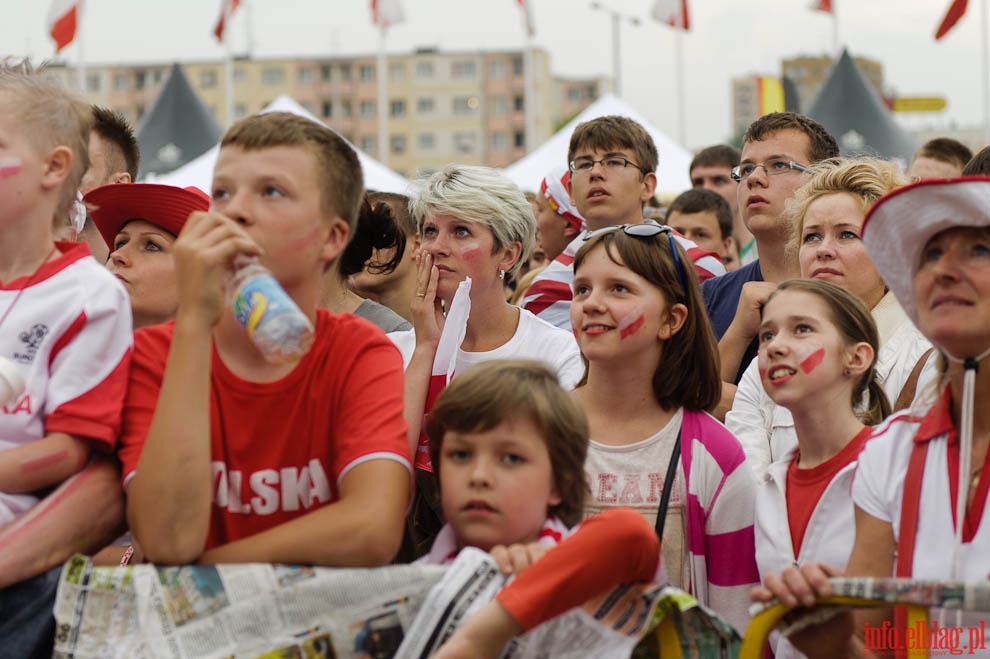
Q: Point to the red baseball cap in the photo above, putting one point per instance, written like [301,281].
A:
[166,206]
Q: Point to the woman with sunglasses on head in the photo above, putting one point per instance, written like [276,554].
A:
[476,225]
[922,482]
[652,377]
[827,214]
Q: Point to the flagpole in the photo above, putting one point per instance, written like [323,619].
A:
[530,92]
[81,66]
[382,100]
[985,48]
[835,32]
[681,103]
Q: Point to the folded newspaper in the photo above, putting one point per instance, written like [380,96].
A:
[276,612]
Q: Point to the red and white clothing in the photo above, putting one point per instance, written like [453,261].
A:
[279,449]
[878,490]
[783,504]
[550,294]
[708,541]
[69,334]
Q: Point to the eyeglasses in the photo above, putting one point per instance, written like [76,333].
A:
[772,167]
[647,230]
[608,163]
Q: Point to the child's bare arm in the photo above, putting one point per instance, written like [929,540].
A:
[169,498]
[42,463]
[83,514]
[363,528]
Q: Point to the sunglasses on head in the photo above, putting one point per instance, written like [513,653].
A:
[647,230]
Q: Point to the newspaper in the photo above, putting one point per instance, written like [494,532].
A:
[277,612]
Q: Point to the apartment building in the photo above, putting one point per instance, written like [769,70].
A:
[442,107]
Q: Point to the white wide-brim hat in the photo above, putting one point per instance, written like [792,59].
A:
[901,223]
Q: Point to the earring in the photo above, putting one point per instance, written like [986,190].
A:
[501,274]
[847,372]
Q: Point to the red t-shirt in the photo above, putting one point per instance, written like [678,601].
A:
[279,449]
[806,486]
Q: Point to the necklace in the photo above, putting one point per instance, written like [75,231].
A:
[27,285]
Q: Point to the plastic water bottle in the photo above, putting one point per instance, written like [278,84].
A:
[272,319]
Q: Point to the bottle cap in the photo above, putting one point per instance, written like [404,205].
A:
[11,381]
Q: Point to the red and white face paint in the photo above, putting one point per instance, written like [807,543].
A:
[10,166]
[631,323]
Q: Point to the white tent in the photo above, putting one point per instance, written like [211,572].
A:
[199,172]
[672,172]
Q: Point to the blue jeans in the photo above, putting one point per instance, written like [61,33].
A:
[27,623]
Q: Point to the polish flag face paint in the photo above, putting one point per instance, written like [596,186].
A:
[812,361]
[471,252]
[631,324]
[10,166]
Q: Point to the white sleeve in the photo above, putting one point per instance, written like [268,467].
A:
[750,421]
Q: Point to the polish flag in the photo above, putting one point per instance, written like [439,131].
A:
[227,8]
[527,8]
[444,362]
[387,12]
[952,16]
[822,5]
[672,12]
[63,17]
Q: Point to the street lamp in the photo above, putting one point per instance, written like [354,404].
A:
[617,17]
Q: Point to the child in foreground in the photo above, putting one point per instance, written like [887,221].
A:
[817,358]
[231,458]
[509,445]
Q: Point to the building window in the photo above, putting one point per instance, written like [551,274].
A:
[240,110]
[367,109]
[463,69]
[306,76]
[398,144]
[500,141]
[465,104]
[139,80]
[591,92]
[368,144]
[121,82]
[496,69]
[518,67]
[156,77]
[325,72]
[345,108]
[366,73]
[465,142]
[327,109]
[208,79]
[92,82]
[499,106]
[240,75]
[398,108]
[574,94]
[519,103]
[424,105]
[396,72]
[519,139]
[344,72]
[427,141]
[424,69]
[273,76]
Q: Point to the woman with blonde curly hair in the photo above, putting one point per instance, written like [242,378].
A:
[827,214]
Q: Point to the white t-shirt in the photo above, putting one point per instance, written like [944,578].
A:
[534,339]
[632,476]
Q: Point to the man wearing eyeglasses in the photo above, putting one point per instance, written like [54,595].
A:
[777,149]
[613,162]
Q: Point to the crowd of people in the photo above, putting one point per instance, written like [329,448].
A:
[740,394]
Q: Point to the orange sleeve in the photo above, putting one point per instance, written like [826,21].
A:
[616,547]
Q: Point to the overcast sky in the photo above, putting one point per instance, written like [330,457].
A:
[728,38]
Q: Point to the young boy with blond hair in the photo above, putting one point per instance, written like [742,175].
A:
[228,457]
[65,333]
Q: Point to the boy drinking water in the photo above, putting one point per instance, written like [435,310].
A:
[228,457]
[510,445]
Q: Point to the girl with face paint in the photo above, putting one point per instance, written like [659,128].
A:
[817,358]
[652,376]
